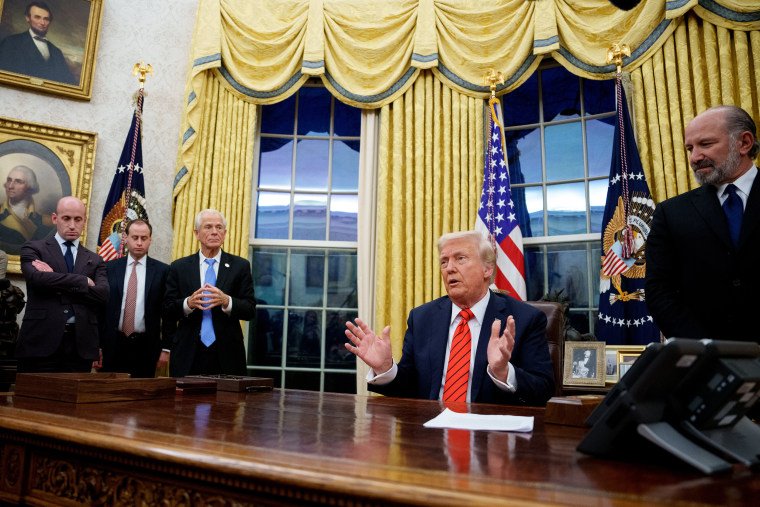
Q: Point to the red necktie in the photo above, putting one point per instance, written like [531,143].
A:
[458,371]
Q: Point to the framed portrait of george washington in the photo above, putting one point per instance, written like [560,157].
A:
[49,46]
[39,164]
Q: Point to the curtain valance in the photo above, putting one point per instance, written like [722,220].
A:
[368,53]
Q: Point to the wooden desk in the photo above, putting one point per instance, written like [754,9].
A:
[298,447]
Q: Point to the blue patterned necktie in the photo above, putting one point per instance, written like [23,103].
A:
[69,256]
[207,325]
[734,210]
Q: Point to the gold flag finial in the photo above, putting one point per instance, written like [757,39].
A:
[492,78]
[141,70]
[615,54]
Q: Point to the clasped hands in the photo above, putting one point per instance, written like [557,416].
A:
[44,266]
[375,350]
[207,297]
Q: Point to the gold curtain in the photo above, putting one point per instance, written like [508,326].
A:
[221,178]
[700,65]
[429,182]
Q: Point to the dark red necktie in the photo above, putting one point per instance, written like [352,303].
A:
[458,370]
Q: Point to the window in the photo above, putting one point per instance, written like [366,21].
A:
[559,133]
[304,241]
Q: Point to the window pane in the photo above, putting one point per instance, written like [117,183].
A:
[278,118]
[302,380]
[269,271]
[313,111]
[564,151]
[275,162]
[341,279]
[272,215]
[311,164]
[336,355]
[567,272]
[307,275]
[599,96]
[309,216]
[340,382]
[348,120]
[534,200]
[524,153]
[344,213]
[534,272]
[597,196]
[566,208]
[266,347]
[561,94]
[304,338]
[345,175]
[599,138]
[521,105]
[596,266]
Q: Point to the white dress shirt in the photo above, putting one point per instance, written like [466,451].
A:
[140,301]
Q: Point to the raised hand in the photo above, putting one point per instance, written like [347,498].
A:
[375,350]
[500,348]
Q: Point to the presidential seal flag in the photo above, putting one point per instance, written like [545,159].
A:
[497,215]
[126,199]
[623,315]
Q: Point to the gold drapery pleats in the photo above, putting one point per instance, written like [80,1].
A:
[429,182]
[223,151]
[699,66]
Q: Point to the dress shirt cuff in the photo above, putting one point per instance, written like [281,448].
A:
[383,378]
[186,308]
[166,350]
[511,383]
[228,309]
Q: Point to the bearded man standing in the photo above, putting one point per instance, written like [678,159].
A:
[702,276]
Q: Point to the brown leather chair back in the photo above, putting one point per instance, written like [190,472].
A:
[555,336]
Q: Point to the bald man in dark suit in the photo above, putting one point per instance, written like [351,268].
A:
[67,291]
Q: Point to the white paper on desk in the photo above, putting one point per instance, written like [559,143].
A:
[450,419]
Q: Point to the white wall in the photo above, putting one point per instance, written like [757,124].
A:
[156,32]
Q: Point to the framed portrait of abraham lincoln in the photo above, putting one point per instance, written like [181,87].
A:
[50,45]
[39,164]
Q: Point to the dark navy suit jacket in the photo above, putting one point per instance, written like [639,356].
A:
[698,284]
[420,370]
[234,279]
[155,286]
[52,295]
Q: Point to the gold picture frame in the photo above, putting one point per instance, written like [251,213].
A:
[618,358]
[61,161]
[584,364]
[71,43]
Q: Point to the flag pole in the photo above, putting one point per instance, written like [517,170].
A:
[141,70]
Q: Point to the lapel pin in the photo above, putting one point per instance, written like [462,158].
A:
[226,265]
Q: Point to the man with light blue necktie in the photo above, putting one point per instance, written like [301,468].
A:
[207,295]
[702,251]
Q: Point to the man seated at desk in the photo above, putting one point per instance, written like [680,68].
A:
[473,345]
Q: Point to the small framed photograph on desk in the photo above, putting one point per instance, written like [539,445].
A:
[619,359]
[585,364]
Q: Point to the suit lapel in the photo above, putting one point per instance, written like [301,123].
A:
[149,272]
[57,262]
[495,310]
[223,274]
[439,336]
[751,212]
[707,206]
[121,270]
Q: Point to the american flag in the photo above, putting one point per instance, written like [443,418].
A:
[497,214]
[126,199]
